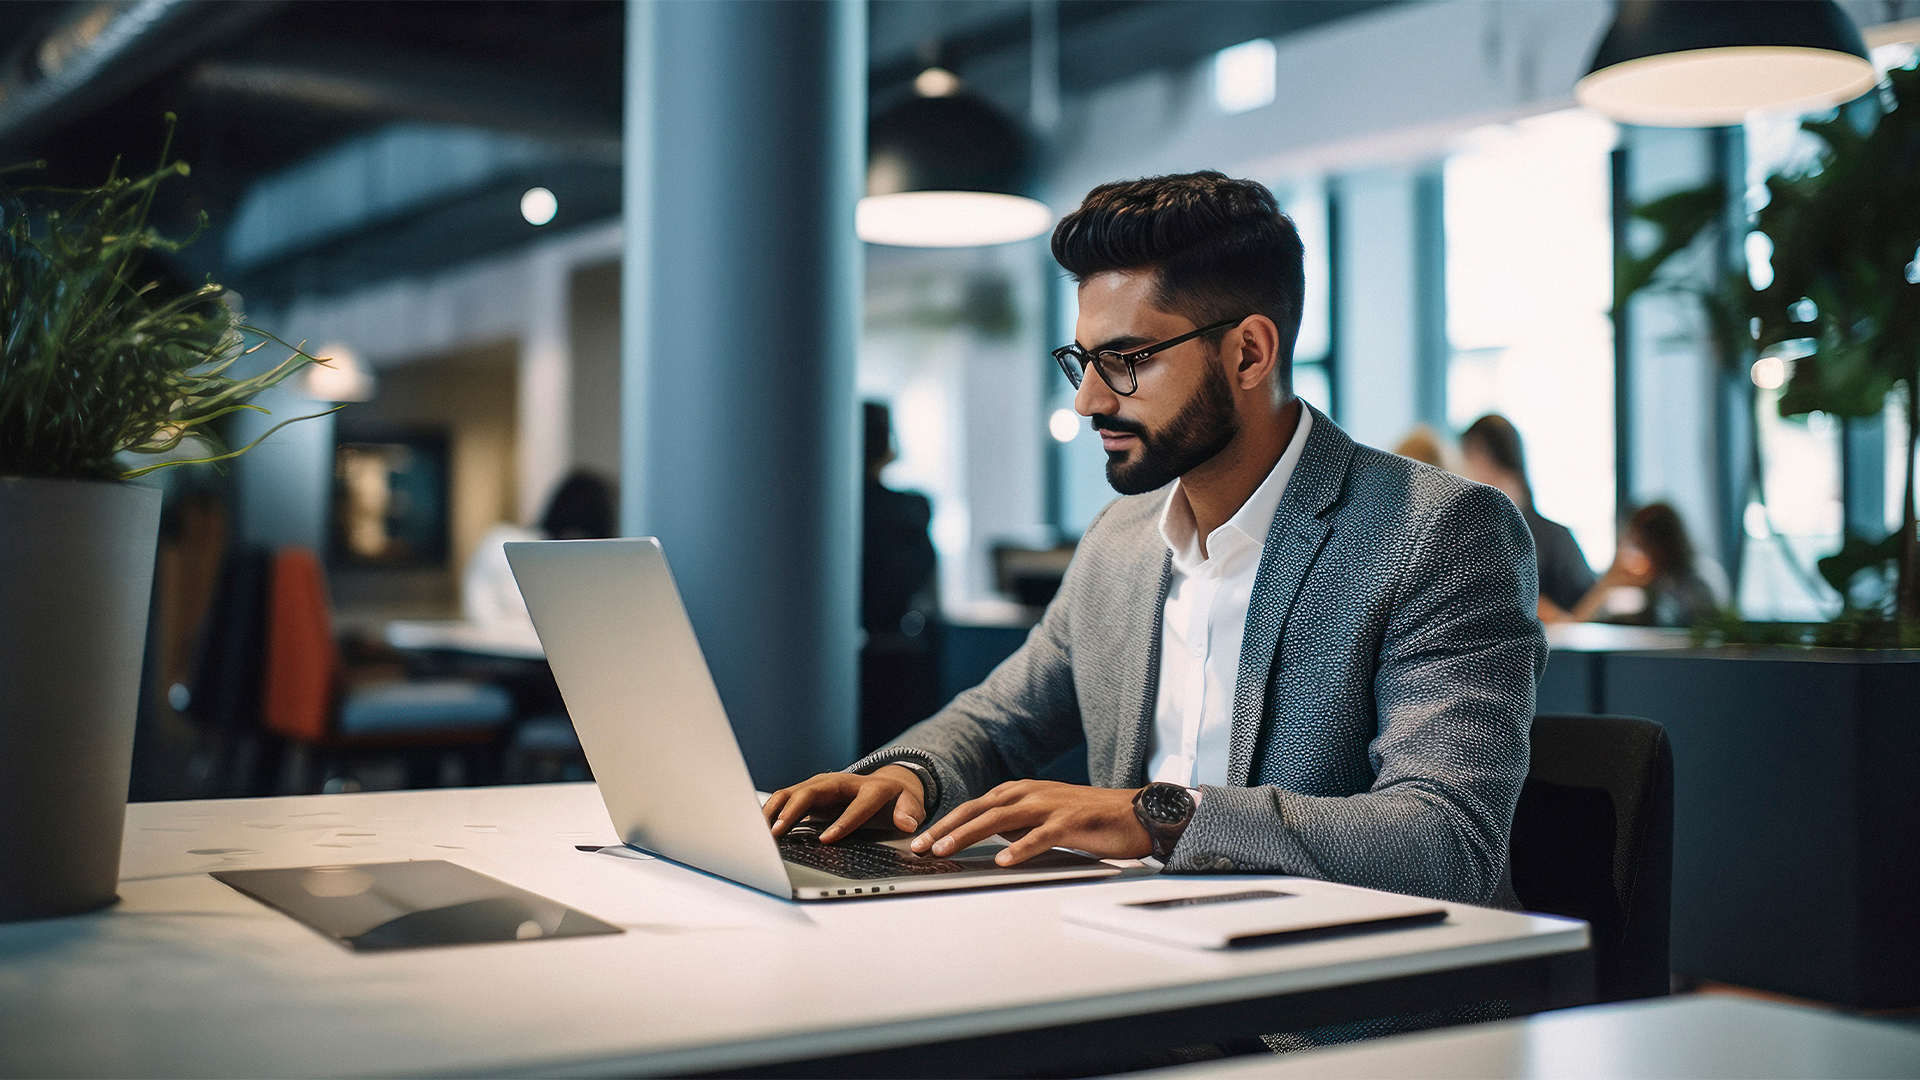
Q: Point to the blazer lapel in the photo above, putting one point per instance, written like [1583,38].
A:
[1299,528]
[1143,640]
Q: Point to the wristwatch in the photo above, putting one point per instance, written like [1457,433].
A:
[1164,811]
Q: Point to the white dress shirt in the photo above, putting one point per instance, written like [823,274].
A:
[1202,624]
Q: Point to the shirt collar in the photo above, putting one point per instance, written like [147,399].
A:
[1255,516]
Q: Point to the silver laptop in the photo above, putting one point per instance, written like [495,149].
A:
[664,755]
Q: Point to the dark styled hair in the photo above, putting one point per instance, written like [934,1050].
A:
[581,509]
[878,436]
[1496,436]
[1219,248]
[1656,529]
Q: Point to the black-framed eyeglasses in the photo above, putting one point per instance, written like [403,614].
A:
[1116,368]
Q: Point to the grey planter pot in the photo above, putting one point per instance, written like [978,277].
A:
[76,575]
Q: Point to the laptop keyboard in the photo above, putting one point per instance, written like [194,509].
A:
[861,861]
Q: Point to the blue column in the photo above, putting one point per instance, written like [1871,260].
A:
[745,145]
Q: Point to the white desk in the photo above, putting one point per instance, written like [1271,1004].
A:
[187,977]
[512,641]
[1654,1040]
[1606,637]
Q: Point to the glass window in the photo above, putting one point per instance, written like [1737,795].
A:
[1802,516]
[954,344]
[1529,287]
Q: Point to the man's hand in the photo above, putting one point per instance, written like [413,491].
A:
[863,796]
[1041,814]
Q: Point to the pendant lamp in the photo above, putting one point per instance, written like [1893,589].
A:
[340,376]
[1707,63]
[947,169]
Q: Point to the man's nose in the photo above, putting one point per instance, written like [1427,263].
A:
[1094,395]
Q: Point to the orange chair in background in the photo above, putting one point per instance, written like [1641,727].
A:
[308,702]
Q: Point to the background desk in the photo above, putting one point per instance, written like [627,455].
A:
[186,977]
[1640,1040]
[512,641]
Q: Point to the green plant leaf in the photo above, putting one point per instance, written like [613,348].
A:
[96,361]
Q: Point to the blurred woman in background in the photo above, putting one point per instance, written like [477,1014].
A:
[1490,452]
[1655,559]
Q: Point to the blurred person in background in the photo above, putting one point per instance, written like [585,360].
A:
[899,608]
[1655,578]
[1422,443]
[1491,453]
[581,509]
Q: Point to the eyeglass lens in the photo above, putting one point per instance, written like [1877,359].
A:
[1118,374]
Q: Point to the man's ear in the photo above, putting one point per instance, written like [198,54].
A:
[1257,342]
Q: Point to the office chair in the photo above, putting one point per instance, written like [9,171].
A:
[308,702]
[222,695]
[1593,839]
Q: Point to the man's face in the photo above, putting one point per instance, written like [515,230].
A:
[1183,412]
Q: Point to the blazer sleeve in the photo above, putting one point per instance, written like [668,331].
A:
[1024,715]
[1454,696]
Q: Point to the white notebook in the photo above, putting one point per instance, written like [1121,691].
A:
[1215,914]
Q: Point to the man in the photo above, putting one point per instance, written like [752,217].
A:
[1322,656]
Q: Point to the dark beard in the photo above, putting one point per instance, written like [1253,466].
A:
[1203,427]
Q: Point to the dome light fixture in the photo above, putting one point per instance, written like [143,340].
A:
[947,169]
[1707,63]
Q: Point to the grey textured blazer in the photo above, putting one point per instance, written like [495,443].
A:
[1385,690]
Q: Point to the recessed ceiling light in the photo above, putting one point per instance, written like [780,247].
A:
[538,206]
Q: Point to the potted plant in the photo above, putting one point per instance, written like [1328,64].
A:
[1795,840]
[1842,313]
[103,379]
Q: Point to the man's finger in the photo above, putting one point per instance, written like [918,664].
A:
[908,811]
[1033,843]
[775,802]
[857,812]
[959,814]
[990,822]
[796,808]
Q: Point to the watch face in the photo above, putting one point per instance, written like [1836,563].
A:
[1166,803]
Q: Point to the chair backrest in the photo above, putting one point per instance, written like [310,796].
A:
[303,660]
[1593,839]
[230,656]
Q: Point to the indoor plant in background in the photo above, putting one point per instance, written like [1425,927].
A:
[103,378]
[1841,316]
[1796,845]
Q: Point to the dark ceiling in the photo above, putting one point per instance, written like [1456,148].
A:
[261,86]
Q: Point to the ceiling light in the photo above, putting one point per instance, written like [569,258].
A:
[949,218]
[1243,76]
[936,82]
[948,171]
[340,376]
[1707,63]
[538,206]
